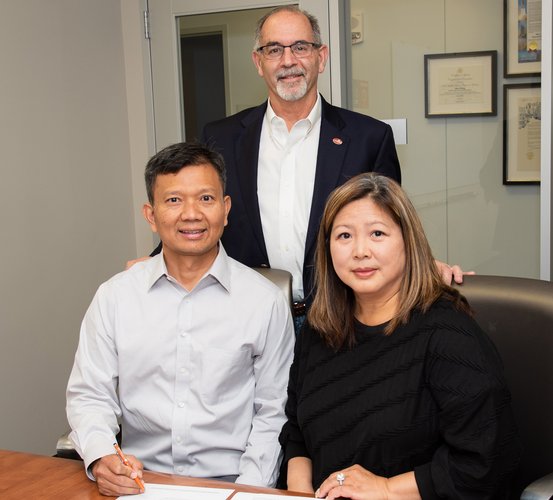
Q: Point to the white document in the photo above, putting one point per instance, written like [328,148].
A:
[174,492]
[262,496]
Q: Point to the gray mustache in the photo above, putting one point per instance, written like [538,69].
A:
[290,72]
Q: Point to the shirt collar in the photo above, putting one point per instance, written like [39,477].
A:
[219,270]
[313,116]
[157,269]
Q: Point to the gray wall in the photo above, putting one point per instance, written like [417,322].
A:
[65,194]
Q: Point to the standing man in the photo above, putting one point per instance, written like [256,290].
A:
[189,351]
[285,156]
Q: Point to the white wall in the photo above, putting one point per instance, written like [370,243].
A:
[65,193]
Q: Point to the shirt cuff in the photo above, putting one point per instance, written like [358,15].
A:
[93,453]
[251,481]
[425,484]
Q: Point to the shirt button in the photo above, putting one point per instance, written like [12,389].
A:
[180,470]
[183,370]
[178,439]
[181,404]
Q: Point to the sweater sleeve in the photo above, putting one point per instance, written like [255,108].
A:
[291,437]
[480,447]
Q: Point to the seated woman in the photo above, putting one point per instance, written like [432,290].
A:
[395,391]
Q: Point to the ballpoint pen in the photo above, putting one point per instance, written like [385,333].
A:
[123,459]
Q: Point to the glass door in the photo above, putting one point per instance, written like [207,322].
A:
[201,62]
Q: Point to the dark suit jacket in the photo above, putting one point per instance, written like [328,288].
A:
[350,143]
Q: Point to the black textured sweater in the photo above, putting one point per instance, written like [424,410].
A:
[430,397]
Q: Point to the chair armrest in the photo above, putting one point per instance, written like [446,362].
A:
[65,448]
[540,489]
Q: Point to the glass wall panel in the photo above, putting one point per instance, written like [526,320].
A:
[452,167]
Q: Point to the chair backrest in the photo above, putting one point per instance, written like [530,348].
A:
[282,279]
[517,313]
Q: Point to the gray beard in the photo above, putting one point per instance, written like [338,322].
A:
[291,93]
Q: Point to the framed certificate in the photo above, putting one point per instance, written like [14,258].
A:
[460,84]
[522,37]
[521,133]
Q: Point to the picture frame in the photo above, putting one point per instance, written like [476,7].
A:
[521,38]
[522,133]
[460,84]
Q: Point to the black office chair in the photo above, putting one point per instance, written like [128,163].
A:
[282,279]
[517,313]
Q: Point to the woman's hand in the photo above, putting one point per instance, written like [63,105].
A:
[357,484]
[360,484]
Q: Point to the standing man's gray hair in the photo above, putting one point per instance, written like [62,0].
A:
[289,8]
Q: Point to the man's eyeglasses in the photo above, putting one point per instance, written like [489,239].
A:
[299,49]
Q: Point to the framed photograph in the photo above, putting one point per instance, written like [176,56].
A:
[522,37]
[521,133]
[460,84]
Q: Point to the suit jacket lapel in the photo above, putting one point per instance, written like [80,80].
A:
[333,145]
[247,155]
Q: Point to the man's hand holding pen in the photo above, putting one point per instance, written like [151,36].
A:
[117,476]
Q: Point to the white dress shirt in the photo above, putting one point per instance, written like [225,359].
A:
[285,180]
[197,379]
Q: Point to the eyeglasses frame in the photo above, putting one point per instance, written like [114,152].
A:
[276,44]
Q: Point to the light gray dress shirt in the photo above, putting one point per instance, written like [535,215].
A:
[197,379]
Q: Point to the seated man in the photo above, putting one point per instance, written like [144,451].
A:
[189,351]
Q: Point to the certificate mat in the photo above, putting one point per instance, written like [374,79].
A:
[175,492]
[263,496]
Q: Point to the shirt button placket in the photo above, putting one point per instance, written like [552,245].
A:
[180,420]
